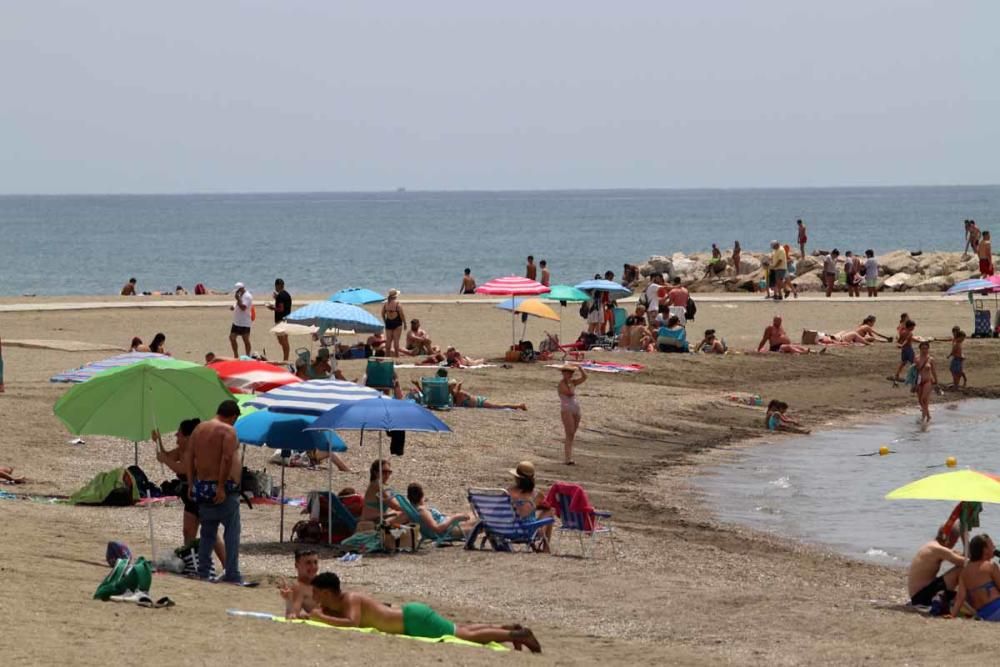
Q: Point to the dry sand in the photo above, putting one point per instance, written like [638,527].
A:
[684,589]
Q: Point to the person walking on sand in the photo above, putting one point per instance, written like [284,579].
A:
[803,238]
[927,379]
[985,252]
[392,315]
[282,306]
[546,276]
[468,283]
[830,271]
[569,407]
[242,319]
[904,342]
[530,271]
[354,610]
[214,473]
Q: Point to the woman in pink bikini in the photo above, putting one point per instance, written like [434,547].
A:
[569,408]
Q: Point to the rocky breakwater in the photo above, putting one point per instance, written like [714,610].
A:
[899,271]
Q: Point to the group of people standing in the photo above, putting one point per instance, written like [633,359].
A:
[980,243]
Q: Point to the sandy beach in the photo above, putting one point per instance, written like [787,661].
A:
[684,588]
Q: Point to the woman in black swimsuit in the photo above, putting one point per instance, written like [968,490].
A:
[392,315]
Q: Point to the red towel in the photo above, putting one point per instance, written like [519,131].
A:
[578,501]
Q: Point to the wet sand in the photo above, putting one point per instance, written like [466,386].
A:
[684,589]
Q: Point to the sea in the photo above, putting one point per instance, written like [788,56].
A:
[419,242]
[829,488]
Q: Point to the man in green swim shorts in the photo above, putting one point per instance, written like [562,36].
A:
[356,610]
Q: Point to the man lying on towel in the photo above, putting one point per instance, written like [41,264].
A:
[356,610]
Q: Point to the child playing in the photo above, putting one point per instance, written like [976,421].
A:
[957,359]
[871,273]
[905,344]
[777,420]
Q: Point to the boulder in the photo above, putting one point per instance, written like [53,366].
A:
[807,264]
[683,264]
[748,264]
[937,264]
[898,261]
[810,282]
[660,264]
[896,281]
[935,284]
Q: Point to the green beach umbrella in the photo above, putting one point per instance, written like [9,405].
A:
[566,293]
[130,401]
[242,400]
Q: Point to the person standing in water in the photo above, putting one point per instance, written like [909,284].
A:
[546,276]
[927,379]
[569,407]
[530,271]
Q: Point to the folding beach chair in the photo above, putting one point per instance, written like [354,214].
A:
[345,522]
[499,524]
[379,373]
[587,524]
[435,391]
[426,533]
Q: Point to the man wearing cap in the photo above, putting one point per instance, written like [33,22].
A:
[242,319]
[779,263]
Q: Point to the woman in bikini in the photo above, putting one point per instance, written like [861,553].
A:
[463,399]
[392,315]
[393,513]
[979,583]
[926,379]
[569,408]
[867,329]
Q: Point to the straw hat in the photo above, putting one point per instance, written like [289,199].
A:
[393,292]
[524,469]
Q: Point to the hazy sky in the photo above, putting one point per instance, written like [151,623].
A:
[133,96]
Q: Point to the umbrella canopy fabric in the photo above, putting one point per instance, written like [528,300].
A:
[357,296]
[286,431]
[960,485]
[971,285]
[614,289]
[529,306]
[129,402]
[332,315]
[380,414]
[252,375]
[245,409]
[512,286]
[290,329]
[84,373]
[566,293]
[313,397]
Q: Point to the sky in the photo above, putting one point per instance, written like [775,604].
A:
[125,96]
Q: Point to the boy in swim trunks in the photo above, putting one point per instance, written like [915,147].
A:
[957,366]
[356,610]
[905,345]
[985,253]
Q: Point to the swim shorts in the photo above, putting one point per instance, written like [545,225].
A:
[986,266]
[419,620]
[906,355]
[925,595]
[239,331]
[871,282]
[956,366]
[204,490]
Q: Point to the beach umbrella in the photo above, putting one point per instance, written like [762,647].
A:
[971,285]
[959,486]
[566,293]
[379,414]
[241,400]
[290,329]
[285,431]
[528,307]
[333,315]
[252,375]
[357,296]
[614,290]
[84,373]
[312,397]
[512,286]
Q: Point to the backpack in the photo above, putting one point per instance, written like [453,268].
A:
[584,309]
[142,483]
[691,310]
[199,289]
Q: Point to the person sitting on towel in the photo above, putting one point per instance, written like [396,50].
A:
[356,610]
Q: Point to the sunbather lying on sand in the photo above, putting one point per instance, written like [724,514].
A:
[776,340]
[842,338]
[463,399]
[7,475]
[458,360]
[867,329]
[356,610]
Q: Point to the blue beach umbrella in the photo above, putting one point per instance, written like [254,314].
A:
[84,373]
[380,414]
[357,296]
[616,290]
[312,397]
[335,315]
[972,285]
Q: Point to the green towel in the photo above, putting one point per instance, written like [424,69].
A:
[100,487]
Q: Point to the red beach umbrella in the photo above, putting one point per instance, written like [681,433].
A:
[252,375]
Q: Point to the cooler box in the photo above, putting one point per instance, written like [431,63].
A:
[983,325]
[379,373]
[435,390]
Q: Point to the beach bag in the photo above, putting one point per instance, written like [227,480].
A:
[584,309]
[199,289]
[911,377]
[189,557]
[143,485]
[691,310]
[252,482]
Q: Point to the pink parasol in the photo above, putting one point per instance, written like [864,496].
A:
[252,375]
[512,286]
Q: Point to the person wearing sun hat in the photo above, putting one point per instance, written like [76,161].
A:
[569,409]
[527,499]
[392,315]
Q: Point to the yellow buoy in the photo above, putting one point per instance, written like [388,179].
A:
[883,451]
[950,462]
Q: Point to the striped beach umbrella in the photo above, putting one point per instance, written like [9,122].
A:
[84,373]
[313,397]
[512,286]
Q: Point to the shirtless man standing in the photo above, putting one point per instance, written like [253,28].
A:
[213,472]
[530,271]
[356,610]
[298,597]
[468,283]
[985,252]
[546,276]
[803,238]
[923,582]
[776,340]
[972,236]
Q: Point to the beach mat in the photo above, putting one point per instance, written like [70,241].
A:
[605,367]
[435,366]
[493,646]
[63,345]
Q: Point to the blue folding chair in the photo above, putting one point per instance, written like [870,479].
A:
[500,525]
[584,525]
[428,534]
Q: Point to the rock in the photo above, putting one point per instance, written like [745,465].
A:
[660,264]
[810,282]
[807,264]
[748,264]
[896,281]
[898,261]
[683,264]
[970,264]
[935,284]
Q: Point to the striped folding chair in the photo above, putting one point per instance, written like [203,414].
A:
[500,526]
[585,525]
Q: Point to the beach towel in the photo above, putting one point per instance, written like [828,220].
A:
[493,646]
[578,502]
[467,368]
[606,367]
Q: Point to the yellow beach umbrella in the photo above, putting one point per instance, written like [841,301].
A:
[960,485]
[534,307]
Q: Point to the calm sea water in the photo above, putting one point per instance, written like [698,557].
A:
[421,241]
[819,489]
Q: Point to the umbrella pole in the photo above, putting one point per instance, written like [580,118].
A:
[329,500]
[149,512]
[281,537]
[135,447]
[381,491]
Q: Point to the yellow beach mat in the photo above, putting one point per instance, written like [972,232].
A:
[493,646]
